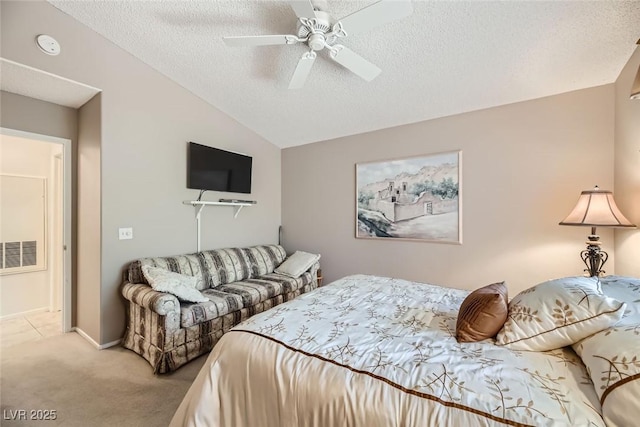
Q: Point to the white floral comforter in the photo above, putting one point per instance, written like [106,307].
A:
[373,351]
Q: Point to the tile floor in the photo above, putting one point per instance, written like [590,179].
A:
[30,327]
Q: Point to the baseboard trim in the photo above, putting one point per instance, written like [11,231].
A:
[24,313]
[111,344]
[86,336]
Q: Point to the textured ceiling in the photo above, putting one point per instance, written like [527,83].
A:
[446,58]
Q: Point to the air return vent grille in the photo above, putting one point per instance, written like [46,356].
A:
[18,254]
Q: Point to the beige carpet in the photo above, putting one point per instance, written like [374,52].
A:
[87,387]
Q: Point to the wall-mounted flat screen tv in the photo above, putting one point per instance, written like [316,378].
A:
[213,169]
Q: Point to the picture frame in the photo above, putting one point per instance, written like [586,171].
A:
[415,198]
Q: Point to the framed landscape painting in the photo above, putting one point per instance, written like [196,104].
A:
[415,198]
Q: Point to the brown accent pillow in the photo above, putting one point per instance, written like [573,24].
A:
[482,313]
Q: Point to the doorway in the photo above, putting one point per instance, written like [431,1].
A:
[54,259]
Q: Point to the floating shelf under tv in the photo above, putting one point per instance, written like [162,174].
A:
[200,204]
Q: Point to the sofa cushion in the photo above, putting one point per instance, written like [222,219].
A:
[243,294]
[219,304]
[254,291]
[264,259]
[289,284]
[188,265]
[216,267]
[227,265]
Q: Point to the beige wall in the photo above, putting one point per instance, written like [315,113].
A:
[89,217]
[524,166]
[35,116]
[32,115]
[627,169]
[147,121]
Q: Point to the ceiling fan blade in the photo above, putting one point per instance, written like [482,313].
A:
[260,40]
[354,62]
[303,8]
[376,14]
[302,70]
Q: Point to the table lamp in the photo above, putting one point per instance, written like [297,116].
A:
[596,208]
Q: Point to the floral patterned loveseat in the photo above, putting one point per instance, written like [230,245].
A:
[238,283]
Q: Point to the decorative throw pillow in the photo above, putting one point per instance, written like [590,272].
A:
[184,287]
[297,264]
[612,356]
[482,313]
[558,313]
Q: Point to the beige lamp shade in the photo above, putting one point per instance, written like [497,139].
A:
[596,208]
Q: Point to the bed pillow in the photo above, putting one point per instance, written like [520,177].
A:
[482,313]
[558,313]
[297,264]
[184,287]
[612,356]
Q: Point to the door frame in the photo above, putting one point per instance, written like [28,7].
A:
[57,229]
[67,166]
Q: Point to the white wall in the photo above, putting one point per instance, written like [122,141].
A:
[23,292]
[523,168]
[627,169]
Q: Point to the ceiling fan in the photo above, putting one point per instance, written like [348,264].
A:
[319,30]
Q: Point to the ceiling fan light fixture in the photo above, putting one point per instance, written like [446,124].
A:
[316,42]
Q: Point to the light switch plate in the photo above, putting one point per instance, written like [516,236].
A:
[125,233]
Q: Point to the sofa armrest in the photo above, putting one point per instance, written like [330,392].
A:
[313,270]
[159,302]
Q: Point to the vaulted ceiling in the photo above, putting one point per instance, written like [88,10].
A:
[446,58]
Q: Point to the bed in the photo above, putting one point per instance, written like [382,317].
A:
[376,351]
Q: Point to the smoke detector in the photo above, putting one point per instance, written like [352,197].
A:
[48,44]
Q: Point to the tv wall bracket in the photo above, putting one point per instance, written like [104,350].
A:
[199,205]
